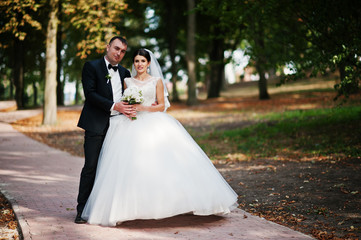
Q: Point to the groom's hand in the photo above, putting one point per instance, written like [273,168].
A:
[125,108]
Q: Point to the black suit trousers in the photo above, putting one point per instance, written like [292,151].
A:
[92,145]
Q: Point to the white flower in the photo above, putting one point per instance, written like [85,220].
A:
[133,95]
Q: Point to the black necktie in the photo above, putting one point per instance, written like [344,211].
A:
[115,68]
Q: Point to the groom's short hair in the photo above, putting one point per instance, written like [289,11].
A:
[120,39]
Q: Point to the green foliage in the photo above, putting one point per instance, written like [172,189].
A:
[17,16]
[315,36]
[334,39]
[313,132]
[268,27]
[163,32]
[97,19]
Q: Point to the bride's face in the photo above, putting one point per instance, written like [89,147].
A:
[141,64]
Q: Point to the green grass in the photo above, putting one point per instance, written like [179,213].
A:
[317,132]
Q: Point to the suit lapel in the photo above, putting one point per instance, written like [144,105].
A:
[105,72]
[121,75]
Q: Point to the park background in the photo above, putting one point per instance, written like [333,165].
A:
[267,88]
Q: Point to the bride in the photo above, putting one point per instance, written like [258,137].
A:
[151,168]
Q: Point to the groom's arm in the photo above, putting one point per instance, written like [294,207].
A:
[123,73]
[91,87]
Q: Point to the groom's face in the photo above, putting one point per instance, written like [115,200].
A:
[116,51]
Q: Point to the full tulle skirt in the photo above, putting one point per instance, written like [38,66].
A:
[151,168]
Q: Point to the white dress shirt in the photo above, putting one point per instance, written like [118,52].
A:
[116,87]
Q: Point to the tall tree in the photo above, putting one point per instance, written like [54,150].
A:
[312,35]
[167,25]
[59,48]
[50,109]
[259,56]
[18,72]
[191,59]
[216,36]
[216,62]
[263,26]
[174,13]
[18,21]
[334,38]
[6,91]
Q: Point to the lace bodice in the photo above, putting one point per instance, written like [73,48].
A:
[148,88]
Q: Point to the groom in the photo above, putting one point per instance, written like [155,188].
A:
[103,85]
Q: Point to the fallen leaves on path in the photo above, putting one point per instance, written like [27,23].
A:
[8,221]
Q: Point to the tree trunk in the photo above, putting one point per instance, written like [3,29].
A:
[18,73]
[77,91]
[11,89]
[217,66]
[191,63]
[261,62]
[49,117]
[262,83]
[172,39]
[35,94]
[175,96]
[60,84]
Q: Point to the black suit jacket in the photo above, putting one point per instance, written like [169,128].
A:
[98,95]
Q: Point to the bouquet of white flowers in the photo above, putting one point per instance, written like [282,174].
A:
[132,95]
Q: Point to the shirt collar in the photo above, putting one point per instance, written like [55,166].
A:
[107,62]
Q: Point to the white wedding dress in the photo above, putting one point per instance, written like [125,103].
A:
[151,168]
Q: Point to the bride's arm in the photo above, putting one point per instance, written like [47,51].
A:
[160,99]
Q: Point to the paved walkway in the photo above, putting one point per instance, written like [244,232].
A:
[42,184]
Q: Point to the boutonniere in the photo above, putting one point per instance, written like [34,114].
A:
[108,77]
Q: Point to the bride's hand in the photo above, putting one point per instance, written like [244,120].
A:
[132,115]
[139,107]
[125,108]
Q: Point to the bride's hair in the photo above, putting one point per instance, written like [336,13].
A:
[142,52]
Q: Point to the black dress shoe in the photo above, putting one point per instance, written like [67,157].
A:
[78,219]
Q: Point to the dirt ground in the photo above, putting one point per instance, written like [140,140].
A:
[320,197]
